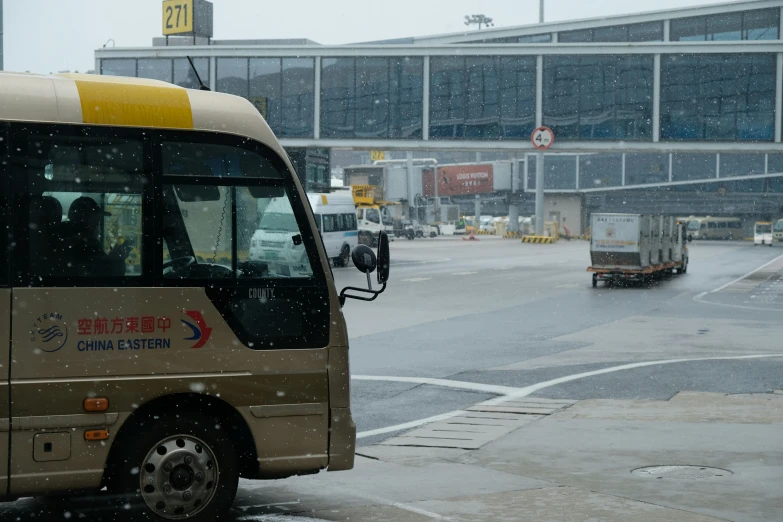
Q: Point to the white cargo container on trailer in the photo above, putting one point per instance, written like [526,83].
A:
[635,246]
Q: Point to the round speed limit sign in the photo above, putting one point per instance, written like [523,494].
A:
[542,138]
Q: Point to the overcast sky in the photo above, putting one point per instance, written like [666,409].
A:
[46,36]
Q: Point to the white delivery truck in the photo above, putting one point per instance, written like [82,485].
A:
[636,247]
[335,216]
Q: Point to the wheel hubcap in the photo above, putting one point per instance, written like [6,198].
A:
[178,478]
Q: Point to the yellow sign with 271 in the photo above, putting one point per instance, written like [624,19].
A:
[377,155]
[177,17]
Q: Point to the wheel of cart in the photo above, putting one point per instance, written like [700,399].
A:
[595,280]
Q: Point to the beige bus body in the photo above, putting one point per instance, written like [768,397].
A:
[289,408]
[714,228]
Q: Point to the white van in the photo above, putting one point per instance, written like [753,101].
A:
[335,216]
[272,241]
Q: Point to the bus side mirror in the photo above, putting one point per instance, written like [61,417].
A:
[365,260]
[384,257]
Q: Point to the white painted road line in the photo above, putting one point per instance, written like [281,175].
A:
[416,279]
[699,298]
[446,383]
[527,390]
[464,273]
[508,393]
[765,265]
[409,425]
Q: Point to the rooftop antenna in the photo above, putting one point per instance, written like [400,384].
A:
[201,85]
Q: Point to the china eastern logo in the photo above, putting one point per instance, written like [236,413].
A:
[201,331]
[49,332]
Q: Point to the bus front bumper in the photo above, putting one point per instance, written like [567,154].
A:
[342,440]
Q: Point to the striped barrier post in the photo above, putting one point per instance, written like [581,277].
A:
[538,239]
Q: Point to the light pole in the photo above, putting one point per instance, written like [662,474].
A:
[540,11]
[479,19]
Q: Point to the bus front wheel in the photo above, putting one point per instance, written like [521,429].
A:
[342,259]
[182,466]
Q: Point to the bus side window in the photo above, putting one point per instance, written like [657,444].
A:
[241,231]
[266,241]
[329,223]
[84,206]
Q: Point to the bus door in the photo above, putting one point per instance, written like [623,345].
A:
[5,312]
[80,197]
[269,313]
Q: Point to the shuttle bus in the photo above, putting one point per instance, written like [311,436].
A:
[777,230]
[714,228]
[151,349]
[762,233]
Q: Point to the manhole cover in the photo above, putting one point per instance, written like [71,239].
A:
[681,472]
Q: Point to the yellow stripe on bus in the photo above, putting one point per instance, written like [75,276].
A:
[125,104]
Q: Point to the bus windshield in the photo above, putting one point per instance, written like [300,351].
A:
[693,225]
[763,229]
[779,226]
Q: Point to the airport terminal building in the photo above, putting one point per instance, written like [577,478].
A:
[676,111]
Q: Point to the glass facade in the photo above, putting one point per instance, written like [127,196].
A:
[282,89]
[184,75]
[775,164]
[600,170]
[718,97]
[119,67]
[297,90]
[530,38]
[693,166]
[599,97]
[155,69]
[177,71]
[645,32]
[559,172]
[482,97]
[761,24]
[652,168]
[645,168]
[704,96]
[732,165]
[371,97]
[232,76]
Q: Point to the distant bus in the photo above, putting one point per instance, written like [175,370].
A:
[714,228]
[777,230]
[762,233]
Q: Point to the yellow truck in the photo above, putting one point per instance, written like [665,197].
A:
[373,214]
